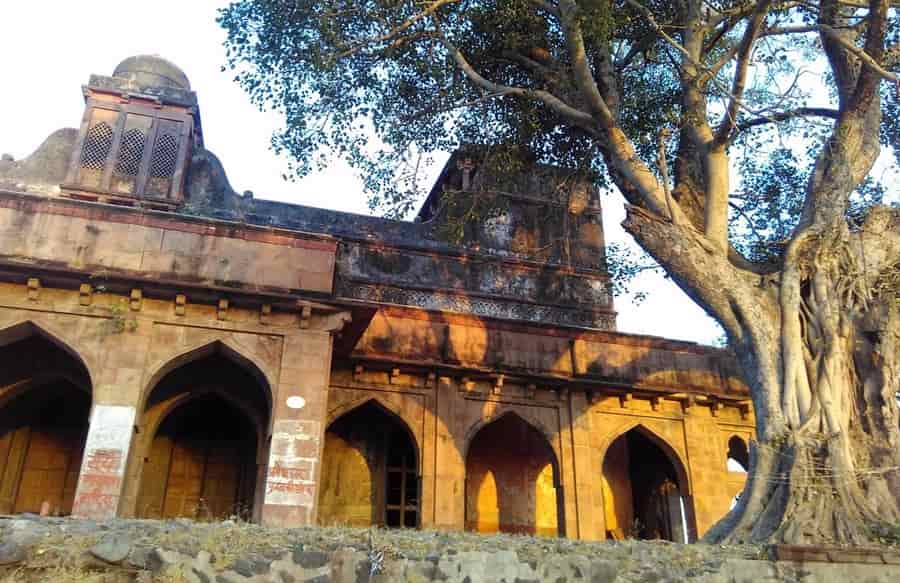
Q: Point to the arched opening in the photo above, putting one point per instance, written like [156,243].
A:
[737,464]
[369,471]
[208,420]
[643,490]
[512,480]
[738,455]
[45,402]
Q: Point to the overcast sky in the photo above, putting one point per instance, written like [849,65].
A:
[49,48]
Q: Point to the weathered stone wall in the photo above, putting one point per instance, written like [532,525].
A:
[447,378]
[128,343]
[150,245]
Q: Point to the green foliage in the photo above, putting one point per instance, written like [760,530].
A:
[350,85]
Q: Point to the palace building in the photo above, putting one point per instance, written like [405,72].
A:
[171,348]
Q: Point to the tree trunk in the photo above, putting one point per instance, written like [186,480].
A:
[828,471]
[819,344]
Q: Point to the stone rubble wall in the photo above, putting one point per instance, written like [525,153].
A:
[34,549]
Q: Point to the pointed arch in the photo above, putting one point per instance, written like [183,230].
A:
[738,451]
[24,329]
[496,416]
[41,442]
[222,346]
[371,466]
[508,452]
[668,449]
[385,406]
[217,374]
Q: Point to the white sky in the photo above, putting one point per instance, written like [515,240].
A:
[49,49]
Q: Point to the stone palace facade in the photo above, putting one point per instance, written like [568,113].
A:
[169,347]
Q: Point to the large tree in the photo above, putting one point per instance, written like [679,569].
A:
[742,135]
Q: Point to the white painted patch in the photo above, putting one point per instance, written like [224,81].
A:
[111,429]
[296,402]
[289,479]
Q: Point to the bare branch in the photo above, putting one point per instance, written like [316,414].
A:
[583,76]
[572,114]
[392,34]
[786,115]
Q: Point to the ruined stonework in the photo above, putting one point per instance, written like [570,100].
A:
[170,348]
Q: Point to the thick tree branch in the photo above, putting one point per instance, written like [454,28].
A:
[729,121]
[583,76]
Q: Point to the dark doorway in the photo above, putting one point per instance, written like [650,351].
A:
[642,495]
[201,456]
[44,407]
[369,471]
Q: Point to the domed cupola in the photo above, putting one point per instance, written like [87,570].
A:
[136,137]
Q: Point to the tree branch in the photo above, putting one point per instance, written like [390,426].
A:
[786,115]
[729,121]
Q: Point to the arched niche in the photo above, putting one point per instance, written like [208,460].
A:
[370,470]
[202,446]
[512,480]
[646,491]
[45,402]
[738,459]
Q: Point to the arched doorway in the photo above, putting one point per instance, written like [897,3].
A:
[208,419]
[369,471]
[45,402]
[737,464]
[643,490]
[738,455]
[512,480]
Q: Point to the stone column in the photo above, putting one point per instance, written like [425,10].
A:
[298,418]
[581,520]
[450,466]
[429,444]
[706,465]
[103,467]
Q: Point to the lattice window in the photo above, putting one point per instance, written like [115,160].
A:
[164,157]
[162,165]
[131,150]
[96,146]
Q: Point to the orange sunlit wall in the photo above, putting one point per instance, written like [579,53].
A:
[510,484]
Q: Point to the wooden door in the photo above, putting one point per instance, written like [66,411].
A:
[51,455]
[220,485]
[185,483]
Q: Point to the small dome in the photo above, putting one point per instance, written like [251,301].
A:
[153,71]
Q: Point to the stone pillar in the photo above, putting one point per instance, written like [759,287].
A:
[450,466]
[103,467]
[298,419]
[429,444]
[581,521]
[706,465]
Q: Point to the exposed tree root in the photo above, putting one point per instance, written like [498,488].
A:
[802,491]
